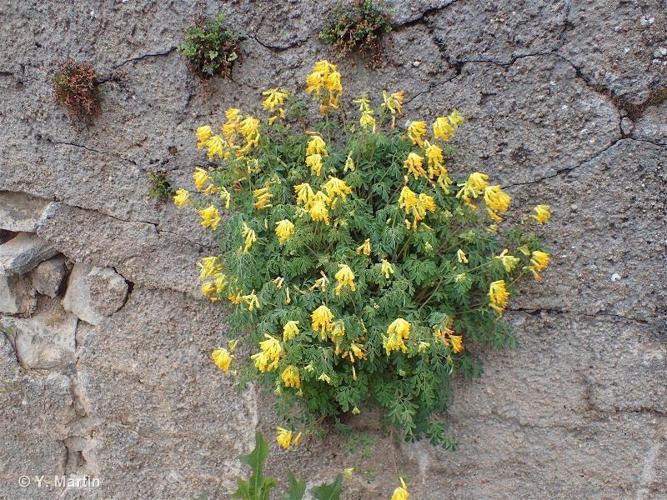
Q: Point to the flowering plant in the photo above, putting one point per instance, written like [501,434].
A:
[358,271]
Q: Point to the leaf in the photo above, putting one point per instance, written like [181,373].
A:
[329,491]
[296,490]
[258,486]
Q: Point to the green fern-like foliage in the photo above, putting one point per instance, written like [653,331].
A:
[211,47]
[357,271]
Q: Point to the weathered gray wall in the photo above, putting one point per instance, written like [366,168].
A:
[565,102]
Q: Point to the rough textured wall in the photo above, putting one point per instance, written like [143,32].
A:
[104,362]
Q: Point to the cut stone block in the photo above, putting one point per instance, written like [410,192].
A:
[16,295]
[23,253]
[94,293]
[45,341]
[19,212]
[48,277]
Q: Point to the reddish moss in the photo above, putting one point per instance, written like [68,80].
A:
[75,87]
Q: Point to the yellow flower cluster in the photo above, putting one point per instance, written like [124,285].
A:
[290,330]
[539,261]
[324,82]
[498,296]
[344,278]
[393,103]
[239,135]
[414,205]
[214,280]
[397,333]
[286,439]
[222,359]
[274,103]
[542,214]
[445,126]
[263,197]
[290,377]
[322,321]
[284,230]
[366,120]
[271,352]
[401,493]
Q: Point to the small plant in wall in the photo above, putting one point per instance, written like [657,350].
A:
[358,28]
[362,265]
[160,188]
[211,47]
[258,486]
[75,86]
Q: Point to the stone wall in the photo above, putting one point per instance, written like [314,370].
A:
[105,356]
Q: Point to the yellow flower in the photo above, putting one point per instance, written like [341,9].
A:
[397,332]
[286,439]
[457,343]
[267,360]
[509,262]
[290,377]
[455,118]
[314,161]
[348,472]
[181,198]
[322,320]
[401,493]
[220,282]
[393,103]
[316,145]
[435,158]
[357,351]
[222,359]
[324,81]
[249,129]
[364,105]
[284,230]
[344,278]
[201,178]
[365,247]
[208,267]
[250,237]
[210,291]
[318,208]
[416,132]
[233,116]
[216,147]
[336,189]
[461,256]
[407,199]
[427,202]
[423,346]
[203,133]
[539,261]
[414,163]
[497,201]
[275,98]
[225,196]
[473,187]
[386,268]
[444,127]
[325,378]
[234,298]
[542,214]
[349,164]
[304,194]
[290,330]
[367,121]
[251,301]
[262,197]
[210,217]
[320,283]
[498,296]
